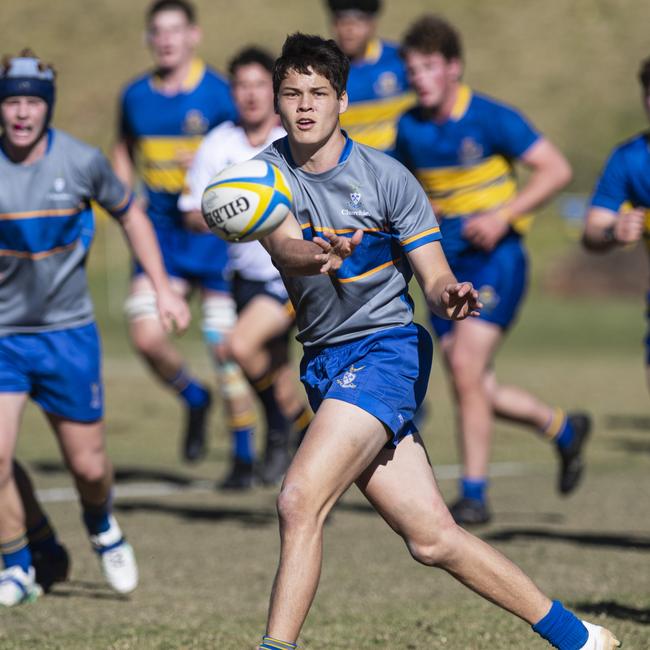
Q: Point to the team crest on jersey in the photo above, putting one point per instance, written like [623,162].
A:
[470,151]
[195,123]
[57,192]
[349,377]
[488,296]
[354,207]
[386,84]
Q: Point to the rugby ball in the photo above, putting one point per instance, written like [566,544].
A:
[246,201]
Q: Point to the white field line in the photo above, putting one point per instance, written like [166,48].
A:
[161,489]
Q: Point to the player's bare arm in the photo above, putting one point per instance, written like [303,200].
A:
[173,309]
[445,296]
[550,172]
[122,159]
[297,256]
[605,229]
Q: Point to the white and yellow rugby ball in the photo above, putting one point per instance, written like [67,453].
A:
[246,201]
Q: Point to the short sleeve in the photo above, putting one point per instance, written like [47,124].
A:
[515,133]
[611,190]
[124,129]
[411,217]
[106,187]
[400,148]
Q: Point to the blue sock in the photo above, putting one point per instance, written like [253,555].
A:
[42,538]
[269,643]
[96,517]
[565,436]
[15,552]
[244,449]
[562,628]
[473,488]
[190,390]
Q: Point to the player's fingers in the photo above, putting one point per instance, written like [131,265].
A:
[357,237]
[325,245]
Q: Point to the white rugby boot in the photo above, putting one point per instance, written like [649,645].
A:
[600,638]
[117,558]
[18,587]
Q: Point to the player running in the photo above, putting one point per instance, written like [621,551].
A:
[164,116]
[360,223]
[618,214]
[259,339]
[461,145]
[377,89]
[49,343]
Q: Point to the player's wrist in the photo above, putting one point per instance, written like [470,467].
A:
[505,214]
[609,235]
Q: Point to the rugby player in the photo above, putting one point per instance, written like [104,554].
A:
[259,339]
[618,212]
[49,343]
[461,145]
[360,222]
[164,115]
[378,91]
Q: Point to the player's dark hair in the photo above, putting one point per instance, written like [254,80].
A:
[431,34]
[365,6]
[172,5]
[305,53]
[644,75]
[248,56]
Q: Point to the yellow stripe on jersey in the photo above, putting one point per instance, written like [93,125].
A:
[461,104]
[374,122]
[160,160]
[406,242]
[462,191]
[33,214]
[354,278]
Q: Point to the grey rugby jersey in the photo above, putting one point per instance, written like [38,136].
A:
[46,228]
[367,190]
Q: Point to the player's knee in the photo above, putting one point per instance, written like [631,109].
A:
[466,373]
[436,546]
[219,317]
[295,509]
[89,466]
[233,384]
[239,350]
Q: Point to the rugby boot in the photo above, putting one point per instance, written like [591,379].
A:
[194,441]
[470,512]
[600,638]
[572,457]
[276,457]
[18,586]
[240,477]
[51,567]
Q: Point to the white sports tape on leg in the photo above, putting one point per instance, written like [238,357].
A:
[141,304]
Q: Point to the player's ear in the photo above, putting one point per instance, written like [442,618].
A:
[195,35]
[455,68]
[343,102]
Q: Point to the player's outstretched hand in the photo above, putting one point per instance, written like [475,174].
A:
[486,230]
[173,310]
[335,250]
[461,300]
[629,226]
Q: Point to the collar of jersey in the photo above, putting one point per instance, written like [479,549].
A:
[345,154]
[373,51]
[463,99]
[50,140]
[191,81]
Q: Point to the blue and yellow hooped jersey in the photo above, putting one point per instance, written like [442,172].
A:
[167,129]
[378,93]
[625,180]
[465,163]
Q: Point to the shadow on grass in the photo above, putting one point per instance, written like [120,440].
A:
[603,540]
[251,517]
[615,610]
[123,474]
[85,589]
[632,446]
[638,422]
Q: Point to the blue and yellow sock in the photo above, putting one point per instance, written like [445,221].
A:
[96,518]
[559,429]
[42,539]
[562,628]
[473,488]
[269,643]
[190,390]
[242,433]
[275,419]
[15,552]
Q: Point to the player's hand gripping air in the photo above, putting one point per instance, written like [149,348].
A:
[461,300]
[629,226]
[335,250]
[173,310]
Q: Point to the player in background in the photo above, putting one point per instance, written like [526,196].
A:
[360,227]
[462,145]
[164,115]
[618,213]
[259,340]
[377,89]
[49,343]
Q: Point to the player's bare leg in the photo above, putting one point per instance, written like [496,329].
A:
[340,443]
[163,358]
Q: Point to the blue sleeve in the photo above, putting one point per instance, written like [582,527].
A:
[400,148]
[514,133]
[124,128]
[611,189]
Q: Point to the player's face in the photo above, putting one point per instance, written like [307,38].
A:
[252,89]
[172,39]
[23,120]
[309,108]
[352,31]
[432,77]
